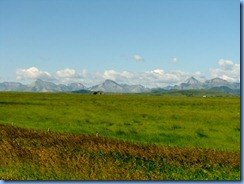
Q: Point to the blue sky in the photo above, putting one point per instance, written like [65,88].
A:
[149,42]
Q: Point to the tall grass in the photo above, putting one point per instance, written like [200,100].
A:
[27,154]
[170,121]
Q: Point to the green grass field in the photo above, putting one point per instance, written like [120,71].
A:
[166,122]
[172,121]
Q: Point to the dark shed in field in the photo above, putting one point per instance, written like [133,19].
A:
[97,93]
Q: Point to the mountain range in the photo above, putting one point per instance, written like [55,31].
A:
[111,86]
[39,85]
[215,84]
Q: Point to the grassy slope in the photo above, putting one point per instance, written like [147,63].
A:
[196,93]
[34,155]
[174,121]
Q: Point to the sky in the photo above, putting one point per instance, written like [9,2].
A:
[155,43]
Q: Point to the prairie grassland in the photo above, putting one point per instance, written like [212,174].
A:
[170,121]
[139,137]
[27,154]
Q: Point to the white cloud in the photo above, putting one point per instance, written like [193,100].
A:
[159,71]
[174,60]
[153,78]
[200,76]
[226,64]
[66,73]
[138,58]
[127,75]
[226,70]
[32,73]
[110,74]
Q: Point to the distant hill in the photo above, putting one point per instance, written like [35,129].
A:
[110,86]
[43,86]
[82,91]
[215,84]
[13,86]
[225,89]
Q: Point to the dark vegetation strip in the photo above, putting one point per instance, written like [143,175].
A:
[28,154]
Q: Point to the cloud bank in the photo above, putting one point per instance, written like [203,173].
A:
[227,70]
[155,78]
[32,73]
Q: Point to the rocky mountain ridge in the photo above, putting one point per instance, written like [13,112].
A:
[112,86]
[39,85]
[216,84]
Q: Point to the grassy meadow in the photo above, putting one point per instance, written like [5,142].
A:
[142,136]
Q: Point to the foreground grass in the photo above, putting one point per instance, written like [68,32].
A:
[170,121]
[27,154]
